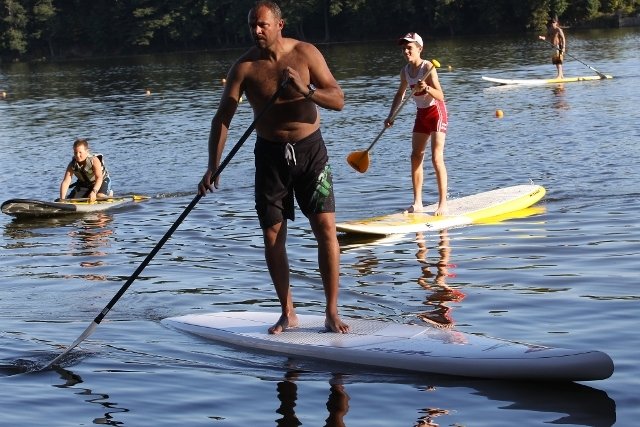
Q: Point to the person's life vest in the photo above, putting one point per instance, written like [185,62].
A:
[85,174]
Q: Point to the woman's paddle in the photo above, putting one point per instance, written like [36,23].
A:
[168,234]
[602,76]
[359,160]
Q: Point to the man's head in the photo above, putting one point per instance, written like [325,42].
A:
[265,23]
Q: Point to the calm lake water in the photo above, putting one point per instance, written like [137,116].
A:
[564,273]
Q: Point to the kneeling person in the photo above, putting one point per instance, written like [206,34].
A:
[92,177]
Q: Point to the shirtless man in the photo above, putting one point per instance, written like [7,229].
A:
[290,155]
[555,36]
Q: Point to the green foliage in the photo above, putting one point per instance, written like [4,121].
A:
[337,6]
[580,10]
[627,7]
[38,28]
[13,25]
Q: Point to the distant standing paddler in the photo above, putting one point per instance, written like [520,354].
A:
[555,36]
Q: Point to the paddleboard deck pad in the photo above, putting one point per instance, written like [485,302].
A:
[398,346]
[461,211]
[27,208]
[533,82]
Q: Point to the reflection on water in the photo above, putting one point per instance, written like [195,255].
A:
[337,402]
[579,404]
[440,294]
[27,228]
[87,237]
[557,403]
[91,235]
[427,420]
[560,100]
[367,261]
[72,380]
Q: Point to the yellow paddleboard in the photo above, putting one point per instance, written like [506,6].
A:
[461,211]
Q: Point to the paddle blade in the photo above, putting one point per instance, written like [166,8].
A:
[81,338]
[435,63]
[359,160]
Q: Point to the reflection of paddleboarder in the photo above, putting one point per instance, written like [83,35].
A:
[92,234]
[560,102]
[441,293]
[427,420]
[337,402]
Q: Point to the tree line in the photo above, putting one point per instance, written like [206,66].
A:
[69,28]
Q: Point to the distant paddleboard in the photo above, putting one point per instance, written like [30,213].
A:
[27,208]
[533,82]
[461,211]
[398,346]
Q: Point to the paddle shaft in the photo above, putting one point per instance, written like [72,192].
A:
[169,232]
[104,199]
[397,111]
[602,76]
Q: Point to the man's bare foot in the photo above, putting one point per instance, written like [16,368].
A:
[334,324]
[284,323]
[413,209]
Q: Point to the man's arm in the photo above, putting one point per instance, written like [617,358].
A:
[220,127]
[328,93]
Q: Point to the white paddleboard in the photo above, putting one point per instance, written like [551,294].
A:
[533,82]
[27,208]
[399,346]
[461,211]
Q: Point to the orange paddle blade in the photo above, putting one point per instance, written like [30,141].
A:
[359,160]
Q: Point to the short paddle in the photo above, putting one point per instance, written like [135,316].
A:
[168,234]
[134,197]
[359,160]
[602,76]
